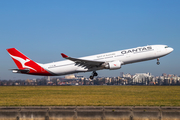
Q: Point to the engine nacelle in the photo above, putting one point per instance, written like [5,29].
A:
[113,65]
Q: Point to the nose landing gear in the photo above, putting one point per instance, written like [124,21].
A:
[93,74]
[158,61]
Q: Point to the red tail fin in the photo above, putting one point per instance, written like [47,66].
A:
[24,62]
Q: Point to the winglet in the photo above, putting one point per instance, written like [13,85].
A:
[63,55]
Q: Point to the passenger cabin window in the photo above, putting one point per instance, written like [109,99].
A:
[166,46]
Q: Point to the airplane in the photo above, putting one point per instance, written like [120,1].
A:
[112,61]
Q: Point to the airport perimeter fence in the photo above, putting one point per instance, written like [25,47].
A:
[90,113]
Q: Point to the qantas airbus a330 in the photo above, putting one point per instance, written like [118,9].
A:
[111,61]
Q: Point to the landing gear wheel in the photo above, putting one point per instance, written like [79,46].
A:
[95,74]
[91,77]
[158,61]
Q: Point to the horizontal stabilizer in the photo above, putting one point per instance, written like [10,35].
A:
[20,70]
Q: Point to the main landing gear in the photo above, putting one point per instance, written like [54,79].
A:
[158,61]
[93,74]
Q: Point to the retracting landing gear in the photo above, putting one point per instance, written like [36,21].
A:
[158,61]
[93,74]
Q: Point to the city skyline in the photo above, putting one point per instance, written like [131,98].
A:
[44,29]
[69,76]
[124,79]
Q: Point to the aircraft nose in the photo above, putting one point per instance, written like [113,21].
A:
[171,49]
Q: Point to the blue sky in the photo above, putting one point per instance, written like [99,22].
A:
[42,29]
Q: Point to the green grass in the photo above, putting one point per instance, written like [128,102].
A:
[89,95]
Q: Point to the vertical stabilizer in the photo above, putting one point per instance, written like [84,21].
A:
[24,63]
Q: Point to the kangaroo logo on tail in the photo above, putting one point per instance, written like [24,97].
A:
[23,62]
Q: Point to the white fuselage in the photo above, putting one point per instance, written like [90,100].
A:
[124,56]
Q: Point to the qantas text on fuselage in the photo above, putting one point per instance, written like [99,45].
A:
[111,61]
[136,50]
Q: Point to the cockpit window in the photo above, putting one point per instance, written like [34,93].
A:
[166,46]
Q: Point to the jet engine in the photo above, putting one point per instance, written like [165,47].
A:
[113,65]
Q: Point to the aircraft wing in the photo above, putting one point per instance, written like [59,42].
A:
[84,63]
